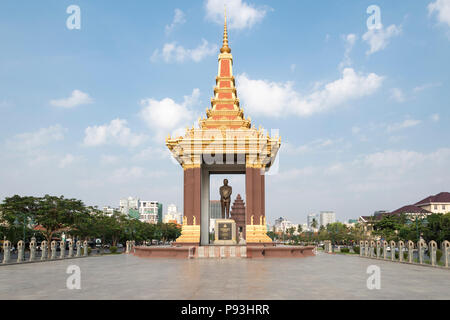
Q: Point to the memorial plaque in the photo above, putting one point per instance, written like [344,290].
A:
[225,231]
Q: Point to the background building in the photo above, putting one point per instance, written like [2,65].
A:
[128,203]
[108,210]
[439,203]
[173,216]
[282,225]
[215,209]
[149,212]
[327,217]
[145,211]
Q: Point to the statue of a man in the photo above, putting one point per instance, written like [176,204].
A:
[225,199]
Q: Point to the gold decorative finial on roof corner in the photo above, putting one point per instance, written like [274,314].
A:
[225,47]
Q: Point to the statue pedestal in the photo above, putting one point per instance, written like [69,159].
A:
[225,232]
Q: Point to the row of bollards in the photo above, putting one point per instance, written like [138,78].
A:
[372,249]
[44,248]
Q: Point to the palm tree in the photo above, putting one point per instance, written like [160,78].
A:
[314,223]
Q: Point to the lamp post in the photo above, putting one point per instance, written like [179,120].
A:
[417,228]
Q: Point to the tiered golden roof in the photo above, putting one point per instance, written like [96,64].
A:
[225,120]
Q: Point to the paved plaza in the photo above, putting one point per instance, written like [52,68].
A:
[129,277]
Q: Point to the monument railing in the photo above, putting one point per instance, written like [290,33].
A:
[80,250]
[420,253]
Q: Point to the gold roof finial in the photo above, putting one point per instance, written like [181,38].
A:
[225,47]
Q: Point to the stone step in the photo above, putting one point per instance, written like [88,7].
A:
[219,252]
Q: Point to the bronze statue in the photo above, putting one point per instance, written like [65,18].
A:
[225,199]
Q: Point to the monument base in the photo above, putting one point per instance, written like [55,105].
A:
[225,232]
[257,234]
[224,252]
[189,235]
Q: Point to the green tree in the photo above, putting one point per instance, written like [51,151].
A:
[17,216]
[437,227]
[56,214]
[314,223]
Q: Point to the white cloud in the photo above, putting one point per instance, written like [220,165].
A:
[77,98]
[375,169]
[172,52]
[166,116]
[356,130]
[42,137]
[398,95]
[350,41]
[408,123]
[274,99]
[4,104]
[426,86]
[442,9]
[435,117]
[178,19]
[107,159]
[133,174]
[116,132]
[127,174]
[67,160]
[152,153]
[391,158]
[378,39]
[313,146]
[240,14]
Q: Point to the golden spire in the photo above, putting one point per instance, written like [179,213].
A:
[225,47]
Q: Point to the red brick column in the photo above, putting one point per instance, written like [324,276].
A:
[255,195]
[192,195]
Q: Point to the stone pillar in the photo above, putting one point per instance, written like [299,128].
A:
[78,248]
[255,211]
[410,251]
[190,231]
[378,249]
[393,246]
[6,251]
[70,249]
[62,252]
[44,249]
[127,247]
[446,251]
[361,248]
[432,250]
[85,248]
[385,245]
[421,245]
[372,248]
[366,248]
[243,253]
[53,249]
[33,250]
[20,251]
[401,245]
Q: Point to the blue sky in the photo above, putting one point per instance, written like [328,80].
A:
[363,114]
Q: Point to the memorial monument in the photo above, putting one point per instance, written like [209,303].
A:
[225,199]
[225,142]
[225,228]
